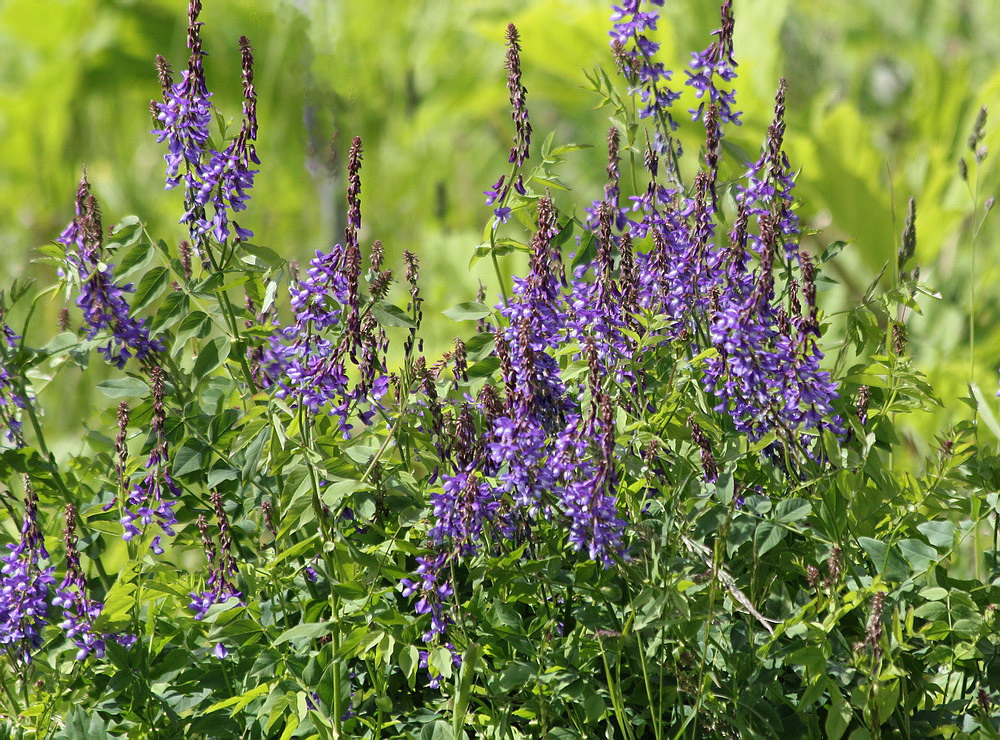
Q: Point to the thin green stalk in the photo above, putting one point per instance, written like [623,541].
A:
[615,692]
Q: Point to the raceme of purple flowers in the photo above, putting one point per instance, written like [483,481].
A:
[24,583]
[79,610]
[153,498]
[102,300]
[219,586]
[309,361]
[211,177]
[12,397]
[546,451]
[24,592]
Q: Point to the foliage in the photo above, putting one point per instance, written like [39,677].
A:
[652,491]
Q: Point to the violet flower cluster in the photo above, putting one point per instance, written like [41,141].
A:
[636,53]
[525,460]
[498,194]
[102,300]
[222,570]
[210,177]
[154,497]
[308,361]
[24,583]
[12,395]
[545,450]
[79,610]
[716,61]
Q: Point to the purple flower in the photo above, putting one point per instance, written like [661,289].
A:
[12,392]
[635,51]
[80,611]
[221,568]
[101,298]
[497,192]
[585,463]
[154,497]
[518,99]
[308,360]
[24,586]
[716,62]
[217,178]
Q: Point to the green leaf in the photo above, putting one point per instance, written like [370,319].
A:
[437,730]
[468,311]
[209,285]
[917,554]
[792,510]
[60,342]
[767,536]
[737,152]
[125,228]
[136,259]
[239,702]
[440,660]
[470,662]
[838,715]
[389,315]
[517,675]
[985,410]
[295,550]
[175,307]
[304,632]
[832,250]
[484,368]
[258,256]
[150,288]
[189,457]
[940,534]
[123,388]
[888,562]
[569,148]
[587,251]
[212,354]
[593,705]
[194,326]
[886,698]
[120,599]
[409,659]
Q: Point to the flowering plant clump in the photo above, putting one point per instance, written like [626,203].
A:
[651,494]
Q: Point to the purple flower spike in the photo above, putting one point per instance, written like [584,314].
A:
[24,586]
[101,298]
[716,62]
[518,99]
[154,497]
[79,611]
[12,398]
[217,178]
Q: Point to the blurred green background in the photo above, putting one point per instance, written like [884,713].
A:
[882,97]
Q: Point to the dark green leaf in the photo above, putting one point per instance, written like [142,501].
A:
[175,307]
[135,259]
[389,315]
[150,288]
[484,368]
[212,354]
[304,632]
[832,250]
[189,457]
